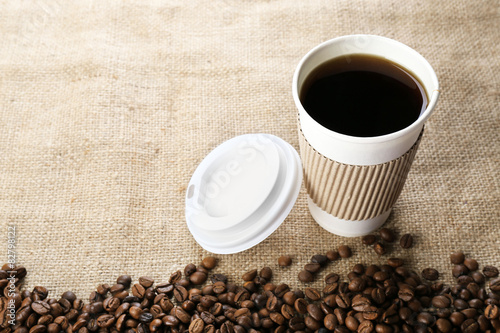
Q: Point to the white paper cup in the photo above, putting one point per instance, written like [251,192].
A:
[353,182]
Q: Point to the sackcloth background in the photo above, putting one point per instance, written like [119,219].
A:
[107,108]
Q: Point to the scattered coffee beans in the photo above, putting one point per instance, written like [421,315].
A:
[387,298]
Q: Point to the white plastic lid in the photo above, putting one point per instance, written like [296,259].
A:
[242,191]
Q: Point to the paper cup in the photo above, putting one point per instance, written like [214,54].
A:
[353,182]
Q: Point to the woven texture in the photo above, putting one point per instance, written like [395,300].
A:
[353,192]
[107,108]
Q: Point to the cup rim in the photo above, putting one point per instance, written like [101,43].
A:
[434,94]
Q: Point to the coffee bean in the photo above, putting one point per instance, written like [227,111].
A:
[492,311]
[198,278]
[406,293]
[300,305]
[351,323]
[312,267]
[457,258]
[478,277]
[147,317]
[266,273]
[406,241]
[331,278]
[332,255]
[42,292]
[379,248]
[312,294]
[135,312]
[138,290]
[287,311]
[495,285]
[366,326]
[241,296]
[476,303]
[284,261]
[426,318]
[387,235]
[441,301]
[146,282]
[209,262]
[444,325]
[180,314]
[490,271]
[170,321]
[105,320]
[175,277]
[289,298]
[296,324]
[155,325]
[110,304]
[484,324]
[124,280]
[305,276]
[357,284]
[180,293]
[277,318]
[469,326]
[320,259]
[219,287]
[197,326]
[343,301]
[272,303]
[457,318]
[103,289]
[330,321]
[344,251]
[69,295]
[38,329]
[41,307]
[459,270]
[359,303]
[368,239]
[45,320]
[471,264]
[380,276]
[370,313]
[281,289]
[311,323]
[395,262]
[430,274]
[189,269]
[116,288]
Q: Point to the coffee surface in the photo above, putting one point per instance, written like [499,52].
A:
[363,95]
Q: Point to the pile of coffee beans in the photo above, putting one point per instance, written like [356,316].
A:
[375,298]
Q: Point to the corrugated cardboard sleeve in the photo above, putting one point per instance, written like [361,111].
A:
[354,192]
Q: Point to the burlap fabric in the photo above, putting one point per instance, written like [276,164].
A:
[107,107]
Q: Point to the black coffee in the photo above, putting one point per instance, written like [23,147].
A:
[363,95]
